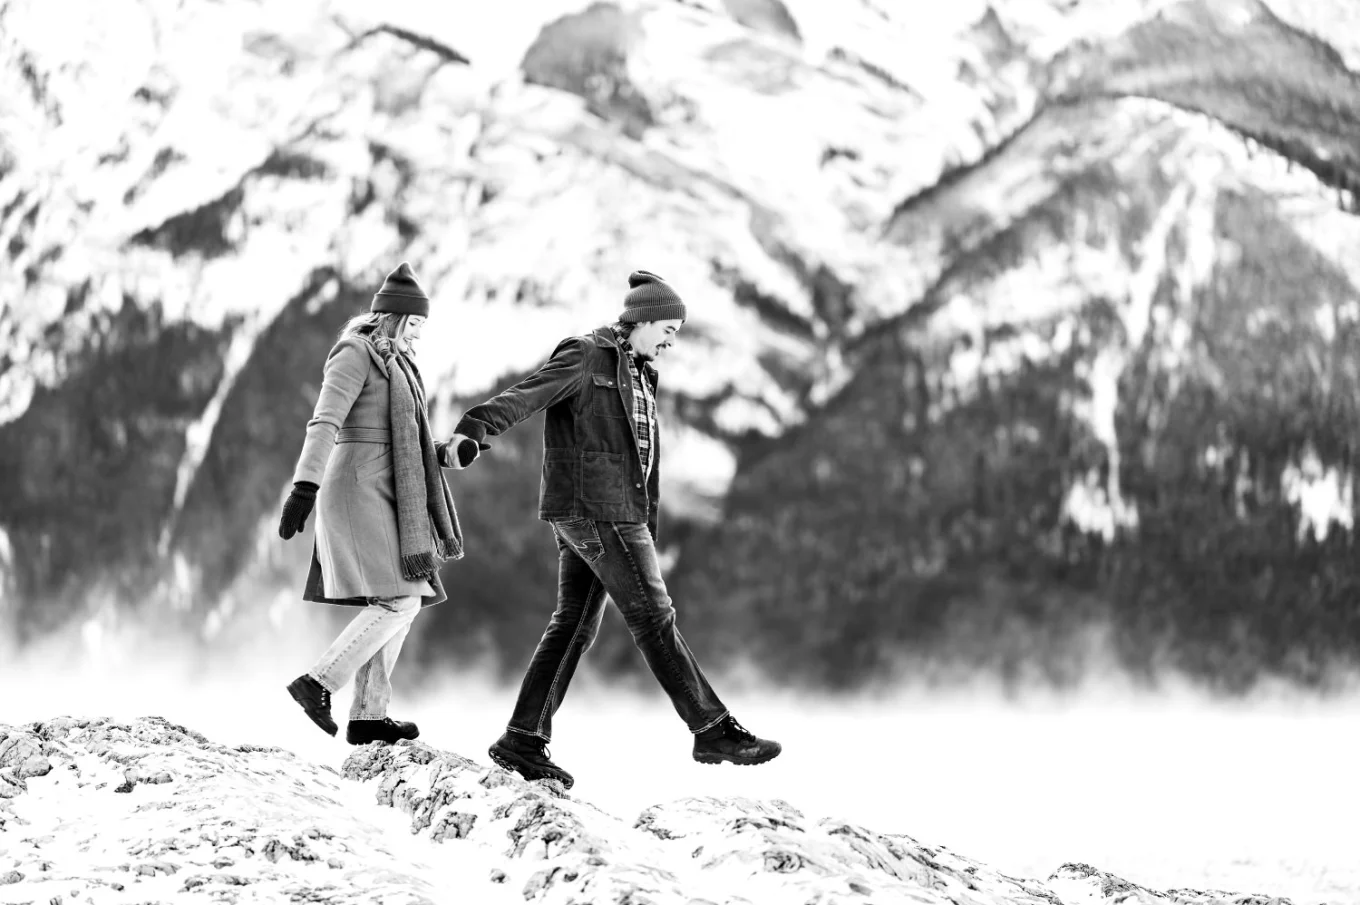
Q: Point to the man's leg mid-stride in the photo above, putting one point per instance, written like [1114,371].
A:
[621,558]
[570,632]
[631,574]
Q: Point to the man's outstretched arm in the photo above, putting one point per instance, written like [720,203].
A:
[560,377]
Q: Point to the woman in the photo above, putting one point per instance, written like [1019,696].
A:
[385,518]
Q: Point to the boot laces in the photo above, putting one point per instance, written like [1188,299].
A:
[541,748]
[737,730]
[534,745]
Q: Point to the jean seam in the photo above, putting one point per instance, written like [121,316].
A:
[407,616]
[403,630]
[321,680]
[724,716]
[596,531]
[562,663]
[352,642]
[642,589]
[527,732]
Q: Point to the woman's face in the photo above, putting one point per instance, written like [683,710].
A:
[412,331]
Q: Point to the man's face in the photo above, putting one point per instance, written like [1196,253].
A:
[651,338]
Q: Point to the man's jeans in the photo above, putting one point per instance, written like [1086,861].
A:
[367,650]
[617,558]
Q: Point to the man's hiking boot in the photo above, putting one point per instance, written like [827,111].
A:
[527,755]
[361,732]
[730,741]
[315,701]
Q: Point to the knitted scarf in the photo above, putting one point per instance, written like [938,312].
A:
[427,523]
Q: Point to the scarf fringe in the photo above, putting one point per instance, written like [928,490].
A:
[417,566]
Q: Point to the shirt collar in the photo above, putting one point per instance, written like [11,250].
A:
[624,345]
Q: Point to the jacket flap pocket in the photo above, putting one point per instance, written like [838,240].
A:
[602,477]
[603,380]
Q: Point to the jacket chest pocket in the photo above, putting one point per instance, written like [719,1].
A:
[606,399]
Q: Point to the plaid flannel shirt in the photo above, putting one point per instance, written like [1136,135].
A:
[644,405]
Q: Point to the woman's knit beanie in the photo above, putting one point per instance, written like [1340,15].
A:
[401,294]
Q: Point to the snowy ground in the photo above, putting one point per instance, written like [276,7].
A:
[249,827]
[1166,791]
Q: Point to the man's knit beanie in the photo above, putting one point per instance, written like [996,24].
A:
[401,294]
[650,298]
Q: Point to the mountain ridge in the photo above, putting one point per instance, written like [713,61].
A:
[872,213]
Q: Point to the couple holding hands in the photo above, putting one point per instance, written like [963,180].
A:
[385,518]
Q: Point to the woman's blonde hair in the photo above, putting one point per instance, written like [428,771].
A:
[393,326]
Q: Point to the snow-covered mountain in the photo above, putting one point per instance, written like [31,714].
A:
[100,811]
[886,218]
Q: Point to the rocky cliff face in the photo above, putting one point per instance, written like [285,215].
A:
[101,811]
[975,298]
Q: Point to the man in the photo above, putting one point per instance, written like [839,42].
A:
[600,493]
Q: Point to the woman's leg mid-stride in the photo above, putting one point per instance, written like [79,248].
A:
[368,720]
[365,636]
[373,681]
[364,639]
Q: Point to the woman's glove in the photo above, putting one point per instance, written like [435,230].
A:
[296,508]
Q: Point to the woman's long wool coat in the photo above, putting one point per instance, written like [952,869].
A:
[356,555]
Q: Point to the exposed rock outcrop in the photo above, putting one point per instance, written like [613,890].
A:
[104,811]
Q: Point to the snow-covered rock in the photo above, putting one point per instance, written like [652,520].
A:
[148,811]
[1082,884]
[107,812]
